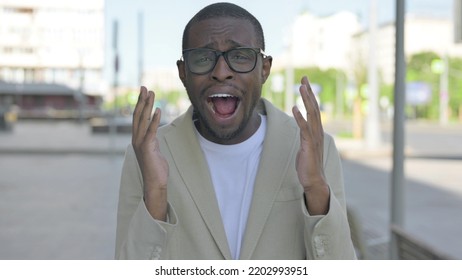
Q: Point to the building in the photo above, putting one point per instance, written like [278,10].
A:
[44,101]
[49,44]
[421,33]
[338,41]
[326,44]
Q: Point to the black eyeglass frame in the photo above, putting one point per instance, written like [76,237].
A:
[225,56]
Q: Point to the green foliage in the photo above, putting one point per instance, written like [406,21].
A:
[419,69]
[455,86]
[326,79]
[387,91]
[420,65]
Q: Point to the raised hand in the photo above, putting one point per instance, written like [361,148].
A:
[153,165]
[309,162]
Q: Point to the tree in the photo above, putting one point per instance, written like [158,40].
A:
[419,69]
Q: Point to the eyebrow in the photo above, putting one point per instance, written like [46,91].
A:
[233,44]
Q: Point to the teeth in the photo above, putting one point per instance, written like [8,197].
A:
[222,95]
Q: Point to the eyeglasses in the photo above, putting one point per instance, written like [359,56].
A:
[203,60]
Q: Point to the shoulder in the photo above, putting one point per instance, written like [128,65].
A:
[180,123]
[277,119]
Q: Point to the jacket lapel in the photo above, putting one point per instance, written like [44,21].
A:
[186,153]
[280,140]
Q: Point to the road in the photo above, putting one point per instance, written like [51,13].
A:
[432,190]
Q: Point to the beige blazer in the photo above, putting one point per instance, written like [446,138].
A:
[278,227]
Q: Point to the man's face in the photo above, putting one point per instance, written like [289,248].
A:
[225,100]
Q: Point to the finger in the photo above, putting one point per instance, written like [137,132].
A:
[311,104]
[305,98]
[302,124]
[307,94]
[145,116]
[139,106]
[138,109]
[305,81]
[141,115]
[151,133]
[310,94]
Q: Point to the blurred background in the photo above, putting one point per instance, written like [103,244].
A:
[70,73]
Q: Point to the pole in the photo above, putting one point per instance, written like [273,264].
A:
[340,88]
[140,48]
[116,61]
[457,7]
[112,121]
[397,186]
[82,97]
[289,98]
[373,123]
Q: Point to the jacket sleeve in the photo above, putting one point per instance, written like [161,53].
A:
[328,237]
[138,235]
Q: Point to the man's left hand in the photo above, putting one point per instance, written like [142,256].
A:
[309,162]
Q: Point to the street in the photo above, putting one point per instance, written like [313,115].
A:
[59,189]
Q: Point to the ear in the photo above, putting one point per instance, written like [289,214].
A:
[181,70]
[266,69]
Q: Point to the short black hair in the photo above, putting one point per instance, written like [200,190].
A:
[225,10]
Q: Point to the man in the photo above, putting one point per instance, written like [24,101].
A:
[233,177]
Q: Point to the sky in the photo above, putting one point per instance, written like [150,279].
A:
[164,21]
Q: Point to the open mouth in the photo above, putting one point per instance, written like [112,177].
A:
[222,104]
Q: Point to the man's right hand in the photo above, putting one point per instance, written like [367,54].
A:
[154,166]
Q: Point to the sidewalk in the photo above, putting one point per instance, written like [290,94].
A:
[59,188]
[432,196]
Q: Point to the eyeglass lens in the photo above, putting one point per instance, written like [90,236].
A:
[201,61]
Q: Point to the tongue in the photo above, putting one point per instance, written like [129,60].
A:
[224,105]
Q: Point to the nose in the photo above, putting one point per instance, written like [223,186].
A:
[222,71]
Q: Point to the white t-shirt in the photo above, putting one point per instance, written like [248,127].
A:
[233,169]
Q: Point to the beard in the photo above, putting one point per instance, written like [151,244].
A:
[204,123]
